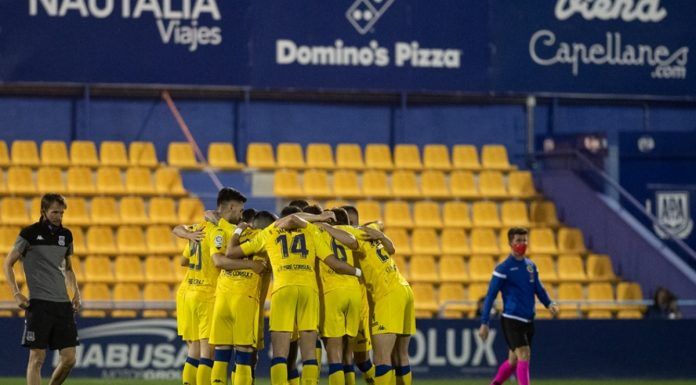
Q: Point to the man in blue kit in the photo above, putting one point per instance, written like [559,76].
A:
[517,277]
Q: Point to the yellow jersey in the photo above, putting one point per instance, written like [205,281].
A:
[202,274]
[243,281]
[379,269]
[331,280]
[292,254]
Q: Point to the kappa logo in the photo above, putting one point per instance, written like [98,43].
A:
[673,213]
[364,14]
[39,238]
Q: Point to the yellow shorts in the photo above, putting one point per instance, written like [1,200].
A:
[181,318]
[235,320]
[340,313]
[294,305]
[394,313]
[363,341]
[198,306]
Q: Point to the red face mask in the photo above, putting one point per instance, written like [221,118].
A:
[519,248]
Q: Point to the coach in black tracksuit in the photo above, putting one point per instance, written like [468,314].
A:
[45,249]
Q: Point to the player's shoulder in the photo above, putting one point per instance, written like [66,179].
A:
[30,232]
[504,265]
[528,262]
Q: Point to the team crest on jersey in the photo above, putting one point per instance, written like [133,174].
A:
[673,213]
[218,241]
[30,336]
[61,240]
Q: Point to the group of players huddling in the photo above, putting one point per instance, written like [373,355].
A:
[333,280]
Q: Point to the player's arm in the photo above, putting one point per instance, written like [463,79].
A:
[12,258]
[342,236]
[493,288]
[376,235]
[253,246]
[542,294]
[341,267]
[71,281]
[182,231]
[221,261]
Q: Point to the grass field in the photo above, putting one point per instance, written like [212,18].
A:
[20,381]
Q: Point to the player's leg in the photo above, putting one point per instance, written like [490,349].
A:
[348,363]
[205,363]
[244,361]
[506,369]
[282,323]
[204,313]
[221,336]
[188,376]
[383,345]
[363,341]
[334,351]
[522,369]
[293,373]
[65,365]
[307,324]
[310,367]
[402,366]
[36,360]
[280,343]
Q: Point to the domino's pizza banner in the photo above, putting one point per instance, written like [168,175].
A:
[556,46]
[150,349]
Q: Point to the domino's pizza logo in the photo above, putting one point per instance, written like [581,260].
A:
[364,14]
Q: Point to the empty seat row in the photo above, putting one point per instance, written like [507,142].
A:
[377,156]
[156,298]
[83,181]
[404,184]
[82,153]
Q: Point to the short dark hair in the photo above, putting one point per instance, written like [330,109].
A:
[341,216]
[351,210]
[248,215]
[48,199]
[516,231]
[313,209]
[227,194]
[300,203]
[289,210]
[263,219]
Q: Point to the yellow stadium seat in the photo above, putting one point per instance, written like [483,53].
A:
[349,156]
[541,241]
[495,157]
[159,240]
[481,268]
[600,292]
[54,153]
[570,268]
[453,269]
[570,292]
[425,300]
[378,157]
[599,314]
[8,236]
[109,181]
[162,211]
[129,269]
[79,244]
[401,241]
[142,154]
[543,214]
[475,293]
[139,181]
[546,268]
[345,184]
[83,153]
[484,241]
[104,211]
[456,215]
[113,153]
[98,269]
[407,157]
[514,214]
[436,157]
[375,184]
[20,181]
[570,240]
[35,209]
[190,211]
[95,295]
[465,157]
[369,211]
[491,185]
[286,184]
[599,268]
[425,242]
[427,214]
[159,269]
[168,182]
[100,240]
[24,153]
[156,295]
[3,185]
[124,296]
[434,184]
[19,273]
[452,292]
[133,211]
[629,291]
[179,271]
[290,155]
[485,214]
[131,240]
[181,155]
[521,185]
[222,155]
[80,181]
[316,184]
[260,156]
[397,214]
[463,185]
[629,314]
[13,211]
[335,203]
[319,155]
[401,265]
[78,269]
[455,241]
[50,179]
[405,184]
[423,269]
[4,154]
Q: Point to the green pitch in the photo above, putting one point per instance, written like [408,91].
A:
[20,381]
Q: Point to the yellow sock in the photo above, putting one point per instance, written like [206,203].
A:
[279,371]
[392,377]
[369,375]
[242,376]
[220,366]
[310,373]
[188,375]
[404,376]
[349,374]
[294,381]
[336,375]
[204,370]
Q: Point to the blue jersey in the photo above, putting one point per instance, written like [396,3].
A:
[519,282]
